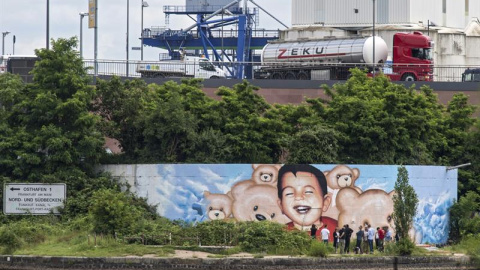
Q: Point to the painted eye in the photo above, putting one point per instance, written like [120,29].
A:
[338,176]
[389,218]
[255,208]
[272,215]
[221,209]
[350,175]
[211,208]
[271,174]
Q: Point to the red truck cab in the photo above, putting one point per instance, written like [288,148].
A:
[412,57]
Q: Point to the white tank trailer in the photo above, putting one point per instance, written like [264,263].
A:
[321,58]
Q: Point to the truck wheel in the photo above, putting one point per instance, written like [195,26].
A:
[277,76]
[290,76]
[214,77]
[302,76]
[409,77]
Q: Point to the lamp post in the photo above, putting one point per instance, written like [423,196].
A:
[48,25]
[128,14]
[373,38]
[3,41]
[144,5]
[82,14]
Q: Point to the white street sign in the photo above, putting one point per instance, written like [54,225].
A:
[34,199]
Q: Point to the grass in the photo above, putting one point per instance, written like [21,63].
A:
[469,245]
[23,238]
[82,246]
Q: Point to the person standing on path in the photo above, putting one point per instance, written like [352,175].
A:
[377,242]
[325,234]
[388,235]
[381,237]
[371,236]
[348,234]
[365,240]
[335,239]
[341,239]
[358,247]
[313,231]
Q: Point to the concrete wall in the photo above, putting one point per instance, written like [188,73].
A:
[47,263]
[358,194]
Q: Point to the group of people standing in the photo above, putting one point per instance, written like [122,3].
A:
[366,236]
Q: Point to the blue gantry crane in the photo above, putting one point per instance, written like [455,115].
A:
[233,48]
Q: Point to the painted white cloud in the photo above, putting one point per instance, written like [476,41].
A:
[373,183]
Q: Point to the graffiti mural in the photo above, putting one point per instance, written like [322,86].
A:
[295,195]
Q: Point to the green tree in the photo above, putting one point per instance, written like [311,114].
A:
[405,204]
[318,144]
[48,133]
[251,136]
[53,133]
[162,123]
[464,220]
[120,105]
[382,122]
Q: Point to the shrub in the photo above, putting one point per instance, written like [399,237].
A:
[318,249]
[113,212]
[403,247]
[9,240]
[271,237]
[216,232]
[30,230]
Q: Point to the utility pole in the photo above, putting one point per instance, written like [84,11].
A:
[128,14]
[48,25]
[373,38]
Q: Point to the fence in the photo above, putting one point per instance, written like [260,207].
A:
[441,73]
[169,238]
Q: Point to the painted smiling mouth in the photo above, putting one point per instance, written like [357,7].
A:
[302,209]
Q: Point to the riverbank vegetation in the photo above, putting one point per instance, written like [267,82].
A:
[53,130]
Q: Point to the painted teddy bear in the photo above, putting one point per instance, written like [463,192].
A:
[219,206]
[263,174]
[341,176]
[373,206]
[258,203]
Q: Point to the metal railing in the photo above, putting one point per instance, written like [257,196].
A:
[441,73]
[156,31]
[204,8]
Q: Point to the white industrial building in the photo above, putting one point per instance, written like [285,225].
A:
[454,26]
[446,13]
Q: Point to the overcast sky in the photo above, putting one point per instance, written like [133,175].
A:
[26,19]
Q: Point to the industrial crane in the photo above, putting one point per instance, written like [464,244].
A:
[208,35]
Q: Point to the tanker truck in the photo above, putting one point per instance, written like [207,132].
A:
[331,59]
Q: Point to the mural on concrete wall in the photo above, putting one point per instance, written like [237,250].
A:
[295,195]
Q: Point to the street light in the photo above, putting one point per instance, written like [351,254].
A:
[82,14]
[3,41]
[144,5]
[373,38]
[128,14]
[48,25]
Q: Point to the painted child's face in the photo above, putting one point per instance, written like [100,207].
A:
[302,198]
